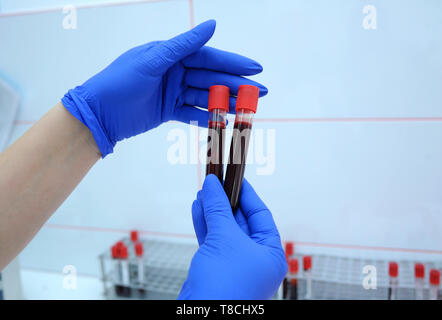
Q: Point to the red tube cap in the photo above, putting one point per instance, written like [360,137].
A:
[393,269]
[134,236]
[293,266]
[289,248]
[307,262]
[123,252]
[435,277]
[247,98]
[139,249]
[419,270]
[219,98]
[114,252]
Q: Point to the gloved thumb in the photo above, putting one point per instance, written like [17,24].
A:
[216,206]
[179,47]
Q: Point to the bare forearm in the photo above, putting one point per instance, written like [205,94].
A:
[37,173]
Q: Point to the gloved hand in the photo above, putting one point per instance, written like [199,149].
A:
[240,256]
[155,83]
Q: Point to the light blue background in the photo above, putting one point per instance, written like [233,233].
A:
[355,183]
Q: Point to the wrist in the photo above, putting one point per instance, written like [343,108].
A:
[82,138]
[80,104]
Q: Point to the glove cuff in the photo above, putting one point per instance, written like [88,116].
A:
[77,101]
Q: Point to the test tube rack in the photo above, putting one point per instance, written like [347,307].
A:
[333,277]
[341,278]
[165,269]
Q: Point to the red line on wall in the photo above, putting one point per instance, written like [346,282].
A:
[191,236]
[114,230]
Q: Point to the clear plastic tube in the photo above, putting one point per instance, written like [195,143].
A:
[292,280]
[419,275]
[123,269]
[434,292]
[215,143]
[393,282]
[238,155]
[419,288]
[434,284]
[307,264]
[308,279]
[218,107]
[246,104]
[392,288]
[139,272]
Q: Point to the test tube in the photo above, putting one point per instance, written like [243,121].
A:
[140,269]
[307,264]
[434,284]
[115,254]
[285,283]
[419,275]
[293,279]
[246,104]
[393,271]
[125,290]
[218,108]
[289,249]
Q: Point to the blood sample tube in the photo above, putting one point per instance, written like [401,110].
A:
[419,275]
[218,108]
[293,279]
[285,283]
[289,249]
[125,290]
[140,269]
[134,236]
[393,271]
[434,284]
[246,104]
[115,253]
[307,264]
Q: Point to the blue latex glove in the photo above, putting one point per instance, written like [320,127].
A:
[155,83]
[240,256]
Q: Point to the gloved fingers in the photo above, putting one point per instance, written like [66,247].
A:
[242,221]
[224,61]
[199,223]
[200,98]
[261,224]
[216,207]
[204,79]
[167,53]
[191,115]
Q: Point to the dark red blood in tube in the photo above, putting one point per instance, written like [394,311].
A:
[237,162]
[246,104]
[218,107]
[215,152]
